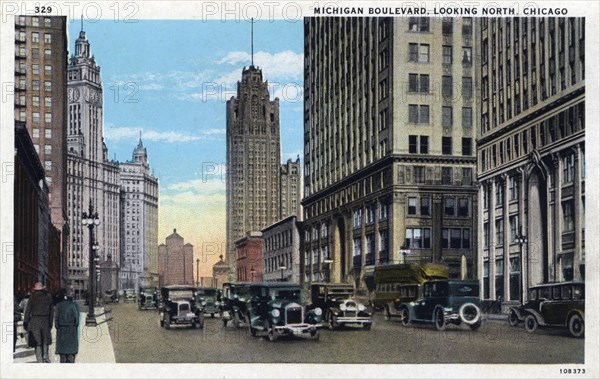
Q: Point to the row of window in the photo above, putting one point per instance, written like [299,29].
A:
[419,114]
[419,175]
[35,21]
[420,83]
[273,264]
[420,145]
[35,85]
[420,53]
[371,211]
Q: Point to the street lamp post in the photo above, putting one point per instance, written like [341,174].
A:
[90,220]
[197,272]
[521,240]
[282,268]
[327,269]
[95,248]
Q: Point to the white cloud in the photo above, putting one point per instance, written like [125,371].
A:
[120,133]
[283,65]
[208,186]
[151,87]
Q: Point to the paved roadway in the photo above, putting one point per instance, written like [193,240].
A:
[138,338]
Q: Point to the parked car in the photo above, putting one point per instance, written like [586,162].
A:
[233,302]
[148,298]
[560,305]
[274,309]
[207,296]
[337,303]
[404,293]
[110,297]
[179,307]
[129,296]
[444,302]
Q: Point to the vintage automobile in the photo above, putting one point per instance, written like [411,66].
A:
[275,309]
[129,296]
[405,293]
[233,302]
[337,303]
[559,305]
[442,302]
[110,297]
[179,307]
[148,298]
[207,296]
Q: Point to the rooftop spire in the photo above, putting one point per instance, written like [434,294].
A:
[82,22]
[252,42]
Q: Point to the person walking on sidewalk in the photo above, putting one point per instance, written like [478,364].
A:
[37,320]
[67,328]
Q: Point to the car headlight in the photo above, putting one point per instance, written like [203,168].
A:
[275,313]
[318,311]
[204,303]
[342,307]
[361,307]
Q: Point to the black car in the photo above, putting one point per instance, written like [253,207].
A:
[233,302]
[207,297]
[179,307]
[111,296]
[555,305]
[148,298]
[339,305]
[442,302]
[275,309]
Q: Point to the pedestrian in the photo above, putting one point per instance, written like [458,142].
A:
[37,320]
[67,328]
[18,316]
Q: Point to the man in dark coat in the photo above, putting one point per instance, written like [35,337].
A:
[38,319]
[67,328]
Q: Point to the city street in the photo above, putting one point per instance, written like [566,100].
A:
[138,338]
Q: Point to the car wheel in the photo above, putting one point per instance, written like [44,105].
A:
[440,320]
[252,331]
[404,316]
[331,322]
[474,327]
[576,326]
[315,334]
[212,315]
[386,313]
[162,322]
[513,319]
[367,325]
[531,323]
[271,332]
[224,323]
[168,322]
[236,320]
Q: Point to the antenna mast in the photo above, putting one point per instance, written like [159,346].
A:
[252,41]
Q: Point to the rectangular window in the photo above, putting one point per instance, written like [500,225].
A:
[447,25]
[35,69]
[412,144]
[446,145]
[35,133]
[467,146]
[36,117]
[568,163]
[48,165]
[383,240]
[423,53]
[418,114]
[447,117]
[35,37]
[423,114]
[383,211]
[419,174]
[467,58]
[47,149]
[418,83]
[568,216]
[486,235]
[467,87]
[424,145]
[463,207]
[467,117]
[449,205]
[514,227]
[48,117]
[47,86]
[413,52]
[446,175]
[425,206]
[35,100]
[358,218]
[47,38]
[412,206]
[499,193]
[447,54]
[499,232]
[447,86]
[47,70]
[514,188]
[48,101]
[48,133]
[357,251]
[35,21]
[47,53]
[417,238]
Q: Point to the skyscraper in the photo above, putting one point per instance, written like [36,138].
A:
[291,189]
[389,145]
[92,177]
[139,221]
[531,148]
[40,103]
[253,160]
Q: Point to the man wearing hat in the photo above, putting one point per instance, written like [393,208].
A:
[67,328]
[38,319]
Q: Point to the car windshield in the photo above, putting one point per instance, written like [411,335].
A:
[180,294]
[292,294]
[339,293]
[204,292]
[240,290]
[464,289]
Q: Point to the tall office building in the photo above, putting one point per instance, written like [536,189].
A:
[93,179]
[175,261]
[389,145]
[253,160]
[531,149]
[40,103]
[291,189]
[139,221]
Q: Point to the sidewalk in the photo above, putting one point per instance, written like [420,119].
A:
[95,344]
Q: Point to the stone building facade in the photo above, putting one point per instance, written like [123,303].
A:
[253,160]
[175,262]
[291,189]
[531,147]
[249,258]
[281,248]
[389,145]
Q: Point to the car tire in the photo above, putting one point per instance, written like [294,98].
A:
[271,332]
[531,323]
[367,325]
[212,315]
[386,313]
[330,322]
[315,334]
[475,327]
[224,323]
[576,326]
[439,320]
[252,331]
[404,316]
[513,319]
[236,320]
[168,322]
